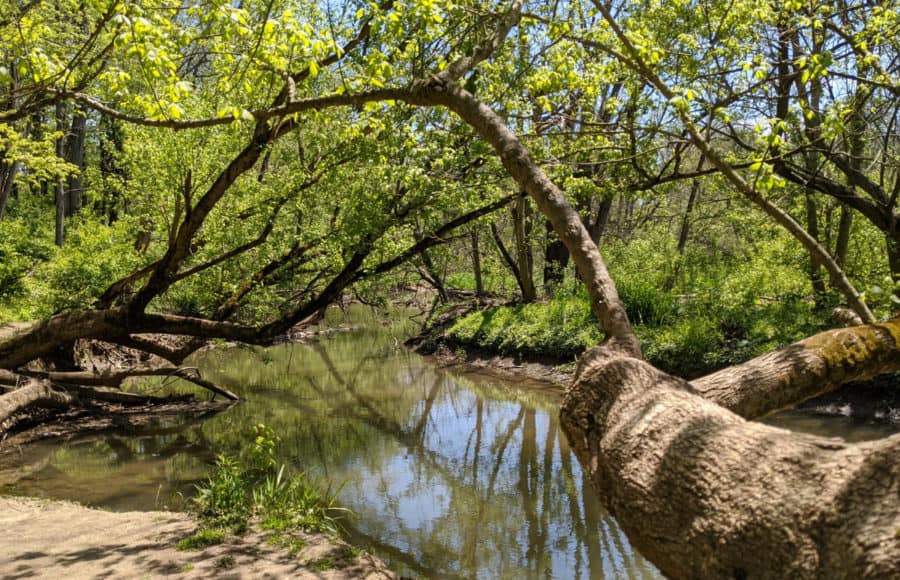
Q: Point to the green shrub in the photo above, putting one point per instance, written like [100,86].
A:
[237,491]
[646,304]
[561,328]
[689,337]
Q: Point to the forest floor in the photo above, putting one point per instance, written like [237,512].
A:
[55,539]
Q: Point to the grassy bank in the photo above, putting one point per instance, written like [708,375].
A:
[687,335]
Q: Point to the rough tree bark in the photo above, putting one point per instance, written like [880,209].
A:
[704,493]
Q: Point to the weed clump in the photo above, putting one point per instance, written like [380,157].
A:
[261,489]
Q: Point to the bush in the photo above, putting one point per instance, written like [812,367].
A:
[237,491]
[646,304]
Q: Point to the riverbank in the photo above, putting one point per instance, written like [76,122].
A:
[55,539]
[485,341]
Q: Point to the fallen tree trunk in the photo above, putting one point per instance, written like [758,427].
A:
[114,378]
[805,369]
[33,393]
[704,493]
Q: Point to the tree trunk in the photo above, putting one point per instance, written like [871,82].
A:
[605,303]
[434,278]
[33,394]
[8,173]
[75,156]
[699,490]
[815,268]
[704,493]
[522,226]
[556,260]
[476,263]
[60,192]
[684,232]
[112,173]
[598,224]
[842,245]
[508,259]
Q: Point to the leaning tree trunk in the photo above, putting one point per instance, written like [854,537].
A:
[701,491]
[704,493]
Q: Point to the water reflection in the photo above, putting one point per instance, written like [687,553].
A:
[449,476]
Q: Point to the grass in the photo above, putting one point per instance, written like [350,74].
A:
[202,538]
[684,336]
[322,564]
[225,562]
[293,544]
[258,487]
[562,329]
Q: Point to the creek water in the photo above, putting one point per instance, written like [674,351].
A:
[448,474]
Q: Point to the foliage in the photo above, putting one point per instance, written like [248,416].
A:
[688,335]
[259,488]
[614,110]
[21,247]
[561,328]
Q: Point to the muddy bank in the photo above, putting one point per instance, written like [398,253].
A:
[877,400]
[466,360]
[53,539]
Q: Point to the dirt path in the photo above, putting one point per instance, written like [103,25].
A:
[51,539]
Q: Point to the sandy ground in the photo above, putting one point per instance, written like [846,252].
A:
[51,539]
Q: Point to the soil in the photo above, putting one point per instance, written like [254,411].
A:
[53,539]
[548,370]
[876,400]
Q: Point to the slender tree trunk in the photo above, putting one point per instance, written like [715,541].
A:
[60,191]
[842,245]
[815,267]
[112,173]
[8,173]
[524,258]
[556,260]
[75,156]
[434,277]
[476,263]
[601,219]
[684,232]
[507,257]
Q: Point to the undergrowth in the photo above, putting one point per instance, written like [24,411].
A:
[259,489]
[684,335]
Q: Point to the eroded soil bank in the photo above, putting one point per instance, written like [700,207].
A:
[55,539]
[876,400]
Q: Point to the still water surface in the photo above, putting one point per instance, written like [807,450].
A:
[448,475]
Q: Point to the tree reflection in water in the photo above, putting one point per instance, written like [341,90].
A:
[448,475]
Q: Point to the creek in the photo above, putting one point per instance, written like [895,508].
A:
[447,473]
